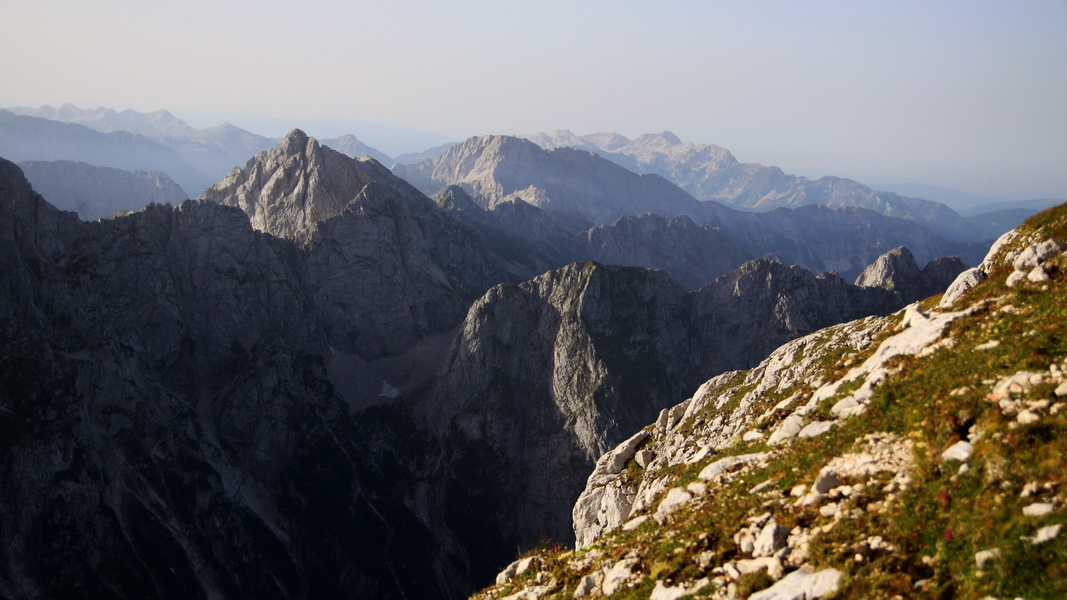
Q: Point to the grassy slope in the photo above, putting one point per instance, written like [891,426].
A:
[941,517]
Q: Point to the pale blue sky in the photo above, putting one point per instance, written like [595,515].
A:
[964,94]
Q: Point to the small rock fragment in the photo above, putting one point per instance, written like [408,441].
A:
[644,457]
[1038,275]
[771,539]
[665,592]
[617,576]
[759,487]
[516,568]
[1045,534]
[723,465]
[789,428]
[960,451]
[1027,417]
[1038,509]
[816,428]
[697,488]
[802,583]
[589,584]
[674,500]
[1014,279]
[826,481]
[983,557]
[772,564]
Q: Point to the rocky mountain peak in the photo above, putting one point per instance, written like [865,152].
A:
[457,199]
[897,271]
[890,270]
[294,142]
[664,138]
[352,146]
[287,190]
[492,144]
[564,180]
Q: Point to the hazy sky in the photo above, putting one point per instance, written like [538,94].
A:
[964,94]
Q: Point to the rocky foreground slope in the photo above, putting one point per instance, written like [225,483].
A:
[915,455]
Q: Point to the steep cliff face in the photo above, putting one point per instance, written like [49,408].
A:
[765,304]
[169,429]
[545,376]
[530,393]
[866,459]
[392,270]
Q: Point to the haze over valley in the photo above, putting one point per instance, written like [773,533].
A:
[525,303]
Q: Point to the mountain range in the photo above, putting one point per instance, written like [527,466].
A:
[316,381]
[204,156]
[589,190]
[98,192]
[710,172]
[707,172]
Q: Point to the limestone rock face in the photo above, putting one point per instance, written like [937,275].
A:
[97,192]
[288,189]
[764,304]
[542,378]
